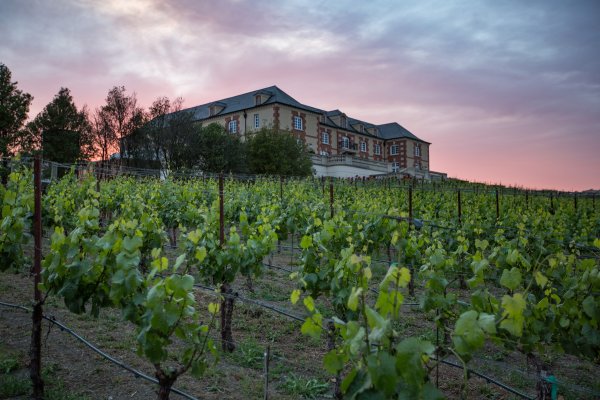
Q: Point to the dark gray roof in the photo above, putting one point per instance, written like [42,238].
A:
[394,130]
[246,101]
[350,123]
[275,95]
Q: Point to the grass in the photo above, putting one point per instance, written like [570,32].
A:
[249,354]
[309,388]
[14,381]
[8,365]
[11,385]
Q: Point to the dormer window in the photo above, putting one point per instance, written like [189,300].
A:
[215,108]
[261,97]
[359,127]
[373,131]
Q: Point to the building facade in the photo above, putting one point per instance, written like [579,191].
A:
[340,145]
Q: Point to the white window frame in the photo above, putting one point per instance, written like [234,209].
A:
[377,149]
[417,150]
[395,166]
[325,138]
[256,121]
[394,150]
[297,123]
[232,126]
[363,146]
[345,142]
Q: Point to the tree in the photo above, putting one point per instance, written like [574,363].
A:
[277,152]
[115,120]
[220,151]
[103,137]
[14,107]
[61,130]
[166,139]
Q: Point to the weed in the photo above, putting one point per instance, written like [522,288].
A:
[307,388]
[58,392]
[7,365]
[249,354]
[11,386]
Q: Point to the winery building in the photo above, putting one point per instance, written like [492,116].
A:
[341,146]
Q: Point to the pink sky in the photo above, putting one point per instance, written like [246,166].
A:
[507,92]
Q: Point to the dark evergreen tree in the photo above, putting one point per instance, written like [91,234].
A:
[14,107]
[61,130]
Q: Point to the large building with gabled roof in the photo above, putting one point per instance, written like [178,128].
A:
[341,145]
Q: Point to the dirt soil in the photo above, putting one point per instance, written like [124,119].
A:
[295,366]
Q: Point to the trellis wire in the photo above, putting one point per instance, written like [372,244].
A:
[64,328]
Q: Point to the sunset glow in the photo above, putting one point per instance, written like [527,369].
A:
[507,92]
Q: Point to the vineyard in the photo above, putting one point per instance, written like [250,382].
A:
[316,288]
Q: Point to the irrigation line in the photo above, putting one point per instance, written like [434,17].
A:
[488,379]
[138,374]
[174,390]
[251,301]
[277,267]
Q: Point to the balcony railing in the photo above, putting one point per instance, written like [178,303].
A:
[348,160]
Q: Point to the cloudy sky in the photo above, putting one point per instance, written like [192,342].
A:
[507,91]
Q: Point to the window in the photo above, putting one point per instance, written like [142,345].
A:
[417,165]
[363,147]
[394,150]
[257,100]
[256,121]
[325,138]
[395,166]
[377,149]
[324,153]
[297,123]
[343,122]
[233,126]
[345,143]
[417,150]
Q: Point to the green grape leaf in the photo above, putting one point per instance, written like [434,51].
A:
[333,361]
[513,313]
[468,335]
[353,299]
[511,279]
[306,242]
[540,279]
[295,296]
[312,326]
[309,303]
[590,307]
[131,244]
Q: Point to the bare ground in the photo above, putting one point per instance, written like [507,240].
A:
[295,365]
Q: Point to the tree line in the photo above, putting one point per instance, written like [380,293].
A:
[164,136]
